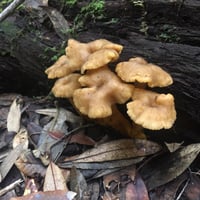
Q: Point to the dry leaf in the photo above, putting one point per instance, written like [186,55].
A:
[10,160]
[29,165]
[61,114]
[14,116]
[82,138]
[21,137]
[30,187]
[166,168]
[48,195]
[173,146]
[169,190]
[129,172]
[54,179]
[77,182]
[35,4]
[124,149]
[136,190]
[192,192]
[60,24]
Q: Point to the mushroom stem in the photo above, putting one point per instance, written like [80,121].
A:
[118,122]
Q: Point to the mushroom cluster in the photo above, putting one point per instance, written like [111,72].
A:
[84,75]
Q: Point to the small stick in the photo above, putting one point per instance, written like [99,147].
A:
[10,187]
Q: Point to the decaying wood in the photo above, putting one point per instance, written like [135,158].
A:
[26,55]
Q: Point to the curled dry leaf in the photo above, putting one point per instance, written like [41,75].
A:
[116,176]
[115,151]
[54,179]
[168,167]
[21,137]
[14,116]
[29,165]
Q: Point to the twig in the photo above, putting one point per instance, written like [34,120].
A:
[10,187]
[182,191]
[9,9]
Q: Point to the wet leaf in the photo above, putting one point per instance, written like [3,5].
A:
[166,168]
[77,182]
[14,116]
[124,149]
[54,179]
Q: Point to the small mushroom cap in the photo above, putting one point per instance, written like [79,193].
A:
[100,58]
[137,69]
[102,89]
[77,54]
[65,87]
[58,69]
[104,44]
[152,110]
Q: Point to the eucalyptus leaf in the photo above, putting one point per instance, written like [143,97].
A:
[167,167]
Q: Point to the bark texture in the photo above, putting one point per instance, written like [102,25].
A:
[166,33]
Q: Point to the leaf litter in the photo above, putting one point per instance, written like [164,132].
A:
[60,156]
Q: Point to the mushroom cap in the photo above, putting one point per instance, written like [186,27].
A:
[58,69]
[77,54]
[100,58]
[137,69]
[152,110]
[102,89]
[65,87]
[104,44]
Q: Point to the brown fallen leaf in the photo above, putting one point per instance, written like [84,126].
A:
[54,179]
[125,184]
[167,167]
[136,190]
[129,172]
[29,165]
[117,150]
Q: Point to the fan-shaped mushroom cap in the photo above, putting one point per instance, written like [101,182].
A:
[77,54]
[152,110]
[99,58]
[104,44]
[137,69]
[103,89]
[65,87]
